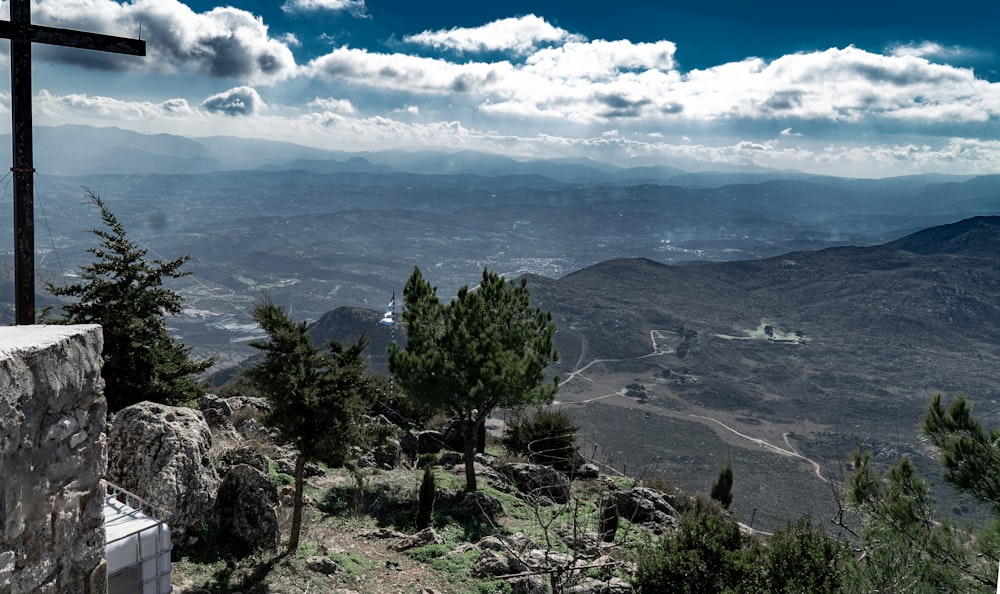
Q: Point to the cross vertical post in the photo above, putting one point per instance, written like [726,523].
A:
[22,34]
[23,168]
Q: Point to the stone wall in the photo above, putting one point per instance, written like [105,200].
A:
[53,453]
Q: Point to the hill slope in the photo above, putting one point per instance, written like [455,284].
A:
[786,364]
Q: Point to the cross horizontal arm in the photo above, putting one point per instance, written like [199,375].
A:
[70,38]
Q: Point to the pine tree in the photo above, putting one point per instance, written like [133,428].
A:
[906,548]
[124,293]
[969,453]
[487,348]
[316,397]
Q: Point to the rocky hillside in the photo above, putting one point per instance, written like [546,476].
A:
[786,364]
[225,487]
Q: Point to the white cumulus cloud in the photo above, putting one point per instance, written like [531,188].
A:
[328,128]
[224,42]
[356,7]
[601,60]
[596,81]
[238,101]
[341,106]
[415,74]
[516,34]
[932,50]
[108,109]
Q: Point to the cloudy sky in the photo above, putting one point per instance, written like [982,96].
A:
[861,88]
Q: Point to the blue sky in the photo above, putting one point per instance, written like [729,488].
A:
[858,89]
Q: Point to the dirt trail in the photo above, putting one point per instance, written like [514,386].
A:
[653,335]
[579,370]
[792,453]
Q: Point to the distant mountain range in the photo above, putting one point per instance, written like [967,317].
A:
[698,309]
[318,229]
[117,151]
[785,364]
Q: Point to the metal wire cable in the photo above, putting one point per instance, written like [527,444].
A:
[52,241]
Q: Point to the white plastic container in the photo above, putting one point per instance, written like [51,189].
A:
[137,546]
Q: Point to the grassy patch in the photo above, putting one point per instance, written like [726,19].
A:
[456,568]
[280,479]
[354,564]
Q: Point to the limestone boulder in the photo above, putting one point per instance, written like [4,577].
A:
[247,509]
[425,537]
[645,506]
[388,454]
[408,444]
[233,414]
[453,436]
[429,442]
[323,564]
[250,405]
[587,471]
[477,504]
[589,585]
[536,480]
[529,584]
[161,453]
[492,563]
[450,459]
[242,455]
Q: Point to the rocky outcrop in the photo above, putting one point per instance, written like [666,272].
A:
[492,563]
[52,456]
[590,585]
[420,539]
[161,453]
[538,481]
[528,569]
[587,471]
[475,503]
[247,505]
[429,442]
[242,455]
[648,507]
[506,565]
[324,565]
[232,417]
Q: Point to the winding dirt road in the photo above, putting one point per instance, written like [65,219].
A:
[657,350]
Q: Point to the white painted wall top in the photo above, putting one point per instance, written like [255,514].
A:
[24,338]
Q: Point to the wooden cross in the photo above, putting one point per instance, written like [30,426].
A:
[22,34]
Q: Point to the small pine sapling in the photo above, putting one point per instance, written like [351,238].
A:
[722,489]
[425,502]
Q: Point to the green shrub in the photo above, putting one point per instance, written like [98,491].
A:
[427,460]
[279,479]
[704,554]
[545,436]
[428,553]
[707,553]
[803,558]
